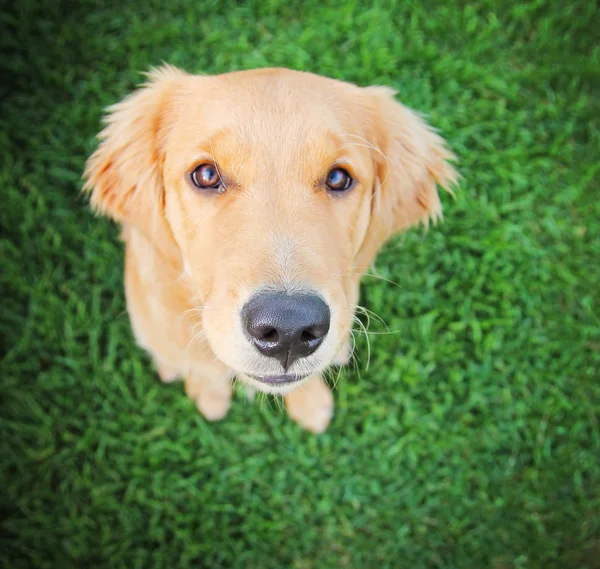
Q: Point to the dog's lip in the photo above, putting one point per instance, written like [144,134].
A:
[279,379]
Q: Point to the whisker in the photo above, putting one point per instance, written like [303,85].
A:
[368,316]
[356,319]
[195,338]
[383,279]
[354,356]
[367,312]
[279,402]
[366,332]
[194,309]
[353,269]
[336,379]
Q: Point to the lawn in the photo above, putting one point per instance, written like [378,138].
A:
[471,441]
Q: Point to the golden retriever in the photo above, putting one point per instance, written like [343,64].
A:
[251,204]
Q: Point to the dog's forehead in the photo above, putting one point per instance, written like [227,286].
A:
[262,105]
[283,90]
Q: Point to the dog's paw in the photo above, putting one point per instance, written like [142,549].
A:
[166,373]
[311,405]
[212,400]
[213,406]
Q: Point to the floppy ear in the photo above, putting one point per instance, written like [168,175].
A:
[411,160]
[124,175]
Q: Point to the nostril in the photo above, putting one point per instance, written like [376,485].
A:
[313,333]
[307,336]
[268,335]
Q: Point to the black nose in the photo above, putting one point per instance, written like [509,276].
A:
[286,326]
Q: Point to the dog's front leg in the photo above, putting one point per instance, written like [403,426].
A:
[311,405]
[210,387]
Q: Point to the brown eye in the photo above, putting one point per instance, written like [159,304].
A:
[339,180]
[206,177]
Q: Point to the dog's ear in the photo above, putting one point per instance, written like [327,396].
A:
[411,160]
[124,175]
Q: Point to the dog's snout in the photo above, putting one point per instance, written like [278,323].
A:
[286,326]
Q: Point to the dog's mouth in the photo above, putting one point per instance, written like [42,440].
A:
[281,379]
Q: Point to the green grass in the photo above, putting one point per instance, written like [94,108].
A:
[473,439]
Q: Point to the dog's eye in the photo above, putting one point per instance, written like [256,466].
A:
[206,177]
[339,180]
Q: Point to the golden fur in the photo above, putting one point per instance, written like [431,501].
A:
[194,258]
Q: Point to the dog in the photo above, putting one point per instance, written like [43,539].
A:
[251,203]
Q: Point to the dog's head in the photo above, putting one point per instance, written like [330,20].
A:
[272,190]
